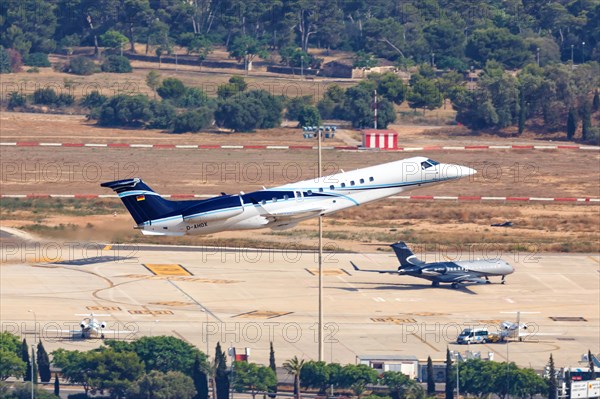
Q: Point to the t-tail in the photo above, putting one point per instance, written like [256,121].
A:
[142,202]
[406,257]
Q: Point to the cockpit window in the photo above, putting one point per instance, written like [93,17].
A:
[428,164]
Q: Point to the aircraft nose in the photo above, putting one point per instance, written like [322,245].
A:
[450,171]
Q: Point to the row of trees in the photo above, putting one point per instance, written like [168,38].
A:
[456,33]
[555,97]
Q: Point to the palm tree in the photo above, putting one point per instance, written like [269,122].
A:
[294,366]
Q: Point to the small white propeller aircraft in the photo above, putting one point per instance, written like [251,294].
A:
[90,327]
[518,330]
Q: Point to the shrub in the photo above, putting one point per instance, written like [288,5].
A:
[37,60]
[171,88]
[116,64]
[92,100]
[193,98]
[309,116]
[65,99]
[164,114]
[16,99]
[81,66]
[193,121]
[294,105]
[45,96]
[33,70]
[123,110]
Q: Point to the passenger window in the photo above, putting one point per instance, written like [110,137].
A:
[274,199]
[320,189]
[263,202]
[352,183]
[371,179]
[331,187]
[309,192]
[285,197]
[362,181]
[343,185]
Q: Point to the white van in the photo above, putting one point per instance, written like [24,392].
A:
[473,336]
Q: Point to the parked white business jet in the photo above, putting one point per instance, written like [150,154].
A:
[280,207]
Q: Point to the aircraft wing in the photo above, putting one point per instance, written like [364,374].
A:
[462,278]
[373,271]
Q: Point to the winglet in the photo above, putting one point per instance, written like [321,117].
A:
[354,266]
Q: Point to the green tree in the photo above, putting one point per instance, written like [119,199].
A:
[294,367]
[153,81]
[315,374]
[56,386]
[430,377]
[162,353]
[113,39]
[390,86]
[497,44]
[123,110]
[26,360]
[193,120]
[252,377]
[309,116]
[425,94]
[522,112]
[43,361]
[116,64]
[294,105]
[272,366]
[81,66]
[4,61]
[596,102]
[10,364]
[171,88]
[449,380]
[572,122]
[159,385]
[245,49]
[586,119]
[552,382]
[200,378]
[357,108]
[357,377]
[235,85]
[133,14]
[364,60]
[221,374]
[400,385]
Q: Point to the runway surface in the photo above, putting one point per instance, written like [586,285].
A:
[246,298]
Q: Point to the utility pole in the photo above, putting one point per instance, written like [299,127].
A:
[375,110]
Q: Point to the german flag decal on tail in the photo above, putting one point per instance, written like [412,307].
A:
[140,197]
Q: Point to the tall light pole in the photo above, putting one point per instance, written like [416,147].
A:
[206,330]
[572,61]
[582,52]
[320,258]
[34,325]
[457,356]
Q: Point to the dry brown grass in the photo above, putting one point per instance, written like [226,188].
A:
[537,227]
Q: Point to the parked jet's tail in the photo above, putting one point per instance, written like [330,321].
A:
[142,202]
[405,255]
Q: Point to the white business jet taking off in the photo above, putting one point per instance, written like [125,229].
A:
[280,207]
